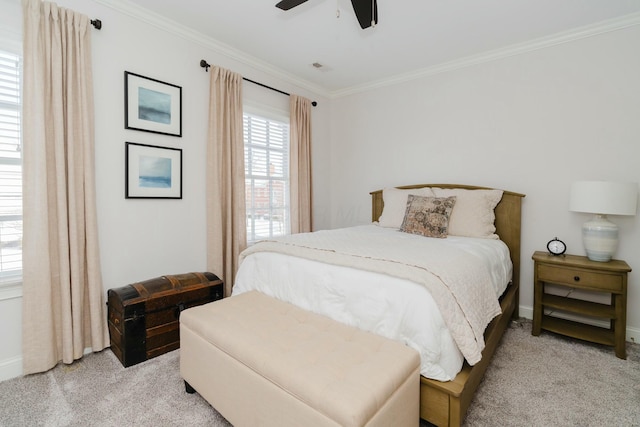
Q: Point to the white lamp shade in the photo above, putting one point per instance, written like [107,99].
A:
[602,197]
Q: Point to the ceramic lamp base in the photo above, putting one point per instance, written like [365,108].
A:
[600,238]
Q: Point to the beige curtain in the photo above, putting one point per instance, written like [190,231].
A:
[300,164]
[63,300]
[226,218]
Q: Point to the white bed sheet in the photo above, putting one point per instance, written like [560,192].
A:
[392,307]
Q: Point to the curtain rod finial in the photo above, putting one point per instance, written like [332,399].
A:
[314,103]
[97,24]
[204,65]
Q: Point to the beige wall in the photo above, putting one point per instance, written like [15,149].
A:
[531,123]
[142,239]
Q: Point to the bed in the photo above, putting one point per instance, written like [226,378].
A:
[355,292]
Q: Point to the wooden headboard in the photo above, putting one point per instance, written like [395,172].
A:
[508,217]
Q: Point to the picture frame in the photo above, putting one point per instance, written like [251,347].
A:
[152,172]
[151,105]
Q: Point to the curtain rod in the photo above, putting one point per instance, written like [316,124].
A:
[204,64]
[97,24]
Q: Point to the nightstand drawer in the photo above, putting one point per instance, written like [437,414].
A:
[580,278]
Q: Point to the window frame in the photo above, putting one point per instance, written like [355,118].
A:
[281,118]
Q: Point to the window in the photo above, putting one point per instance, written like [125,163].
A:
[266,160]
[10,170]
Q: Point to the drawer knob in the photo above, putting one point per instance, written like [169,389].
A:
[576,278]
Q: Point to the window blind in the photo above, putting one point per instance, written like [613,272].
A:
[10,170]
[266,159]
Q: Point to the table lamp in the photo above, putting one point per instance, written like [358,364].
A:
[602,198]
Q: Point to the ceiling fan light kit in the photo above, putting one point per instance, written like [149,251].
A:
[366,10]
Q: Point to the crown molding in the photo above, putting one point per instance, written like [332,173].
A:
[516,49]
[166,24]
[184,32]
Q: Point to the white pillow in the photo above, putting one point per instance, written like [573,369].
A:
[395,205]
[473,214]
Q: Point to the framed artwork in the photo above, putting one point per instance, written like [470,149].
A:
[152,172]
[151,105]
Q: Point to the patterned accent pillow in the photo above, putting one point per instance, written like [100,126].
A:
[428,216]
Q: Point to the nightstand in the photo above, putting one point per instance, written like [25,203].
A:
[578,272]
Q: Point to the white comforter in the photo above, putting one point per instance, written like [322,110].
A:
[390,283]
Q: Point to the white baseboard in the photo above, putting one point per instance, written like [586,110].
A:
[10,368]
[526,312]
[633,334]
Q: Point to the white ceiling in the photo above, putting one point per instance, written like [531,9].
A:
[411,36]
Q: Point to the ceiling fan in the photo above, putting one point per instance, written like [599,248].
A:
[366,10]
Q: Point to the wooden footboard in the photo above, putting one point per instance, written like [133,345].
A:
[446,403]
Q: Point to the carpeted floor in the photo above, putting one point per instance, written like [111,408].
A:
[533,381]
[551,380]
[98,391]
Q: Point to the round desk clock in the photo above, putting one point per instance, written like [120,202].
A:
[556,246]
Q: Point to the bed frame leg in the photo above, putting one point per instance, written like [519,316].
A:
[188,388]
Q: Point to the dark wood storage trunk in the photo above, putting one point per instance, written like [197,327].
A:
[143,316]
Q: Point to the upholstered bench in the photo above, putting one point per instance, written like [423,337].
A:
[261,361]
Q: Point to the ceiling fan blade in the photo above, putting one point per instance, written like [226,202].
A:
[366,11]
[289,4]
